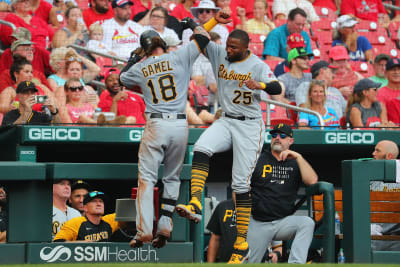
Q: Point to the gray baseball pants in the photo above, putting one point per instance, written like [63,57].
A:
[298,228]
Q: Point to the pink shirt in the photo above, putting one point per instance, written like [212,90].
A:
[385,94]
[75,112]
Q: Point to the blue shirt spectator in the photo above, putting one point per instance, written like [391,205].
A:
[330,119]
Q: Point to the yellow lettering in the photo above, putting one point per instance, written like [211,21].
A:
[157,67]
[228,213]
[163,66]
[169,67]
[266,169]
[151,70]
[145,73]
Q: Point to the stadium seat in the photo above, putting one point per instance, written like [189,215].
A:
[279,22]
[83,4]
[275,121]
[105,64]
[386,49]
[323,38]
[272,63]
[293,115]
[324,12]
[342,122]
[323,25]
[256,48]
[364,68]
[393,32]
[256,38]
[376,38]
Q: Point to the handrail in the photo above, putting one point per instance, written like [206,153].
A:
[391,6]
[288,106]
[85,49]
[8,24]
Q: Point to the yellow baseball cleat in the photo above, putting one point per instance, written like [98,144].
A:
[240,253]
[192,211]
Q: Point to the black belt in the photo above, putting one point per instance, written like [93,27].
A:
[161,116]
[241,118]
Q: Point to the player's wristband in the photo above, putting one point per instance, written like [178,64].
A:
[209,25]
[263,85]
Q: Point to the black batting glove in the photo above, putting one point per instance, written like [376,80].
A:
[188,23]
[273,88]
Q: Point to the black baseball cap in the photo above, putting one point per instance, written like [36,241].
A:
[26,86]
[365,84]
[92,195]
[319,65]
[380,57]
[394,62]
[80,185]
[282,128]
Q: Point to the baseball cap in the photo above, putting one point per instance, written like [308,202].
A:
[205,4]
[298,52]
[22,33]
[365,84]
[282,128]
[319,65]
[172,40]
[346,21]
[20,42]
[26,86]
[338,52]
[380,57]
[111,71]
[80,185]
[295,40]
[120,3]
[92,195]
[394,62]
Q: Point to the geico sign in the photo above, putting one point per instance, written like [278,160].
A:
[97,254]
[62,134]
[349,138]
[135,135]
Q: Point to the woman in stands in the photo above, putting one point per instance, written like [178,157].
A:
[20,71]
[158,22]
[360,49]
[41,32]
[363,108]
[316,101]
[74,32]
[260,24]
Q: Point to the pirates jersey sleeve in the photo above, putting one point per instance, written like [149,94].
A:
[69,231]
[110,219]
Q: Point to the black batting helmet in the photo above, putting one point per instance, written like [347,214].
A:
[146,40]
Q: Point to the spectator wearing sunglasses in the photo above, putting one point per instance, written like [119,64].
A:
[93,227]
[276,179]
[203,13]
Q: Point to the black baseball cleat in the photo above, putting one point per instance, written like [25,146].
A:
[159,242]
[135,243]
[192,211]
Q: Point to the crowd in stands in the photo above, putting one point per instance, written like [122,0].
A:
[297,39]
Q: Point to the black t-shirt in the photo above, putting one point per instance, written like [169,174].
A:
[36,117]
[223,223]
[274,186]
[172,22]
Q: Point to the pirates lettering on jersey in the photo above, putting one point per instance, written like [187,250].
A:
[223,74]
[156,68]
[276,173]
[97,236]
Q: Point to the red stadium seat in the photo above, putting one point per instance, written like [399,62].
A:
[256,38]
[83,4]
[275,121]
[272,63]
[256,48]
[386,49]
[293,115]
[365,69]
[323,38]
[342,122]
[376,38]
[324,12]
[323,25]
[393,30]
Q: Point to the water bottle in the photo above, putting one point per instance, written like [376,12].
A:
[337,223]
[340,258]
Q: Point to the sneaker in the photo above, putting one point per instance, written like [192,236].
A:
[164,229]
[240,253]
[191,211]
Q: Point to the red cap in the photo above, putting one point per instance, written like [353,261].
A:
[295,40]
[111,71]
[338,52]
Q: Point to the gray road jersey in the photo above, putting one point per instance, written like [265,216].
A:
[164,79]
[233,95]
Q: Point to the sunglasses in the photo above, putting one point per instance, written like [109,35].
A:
[201,11]
[76,88]
[74,59]
[95,193]
[281,135]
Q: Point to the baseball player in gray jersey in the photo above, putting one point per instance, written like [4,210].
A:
[241,128]
[164,79]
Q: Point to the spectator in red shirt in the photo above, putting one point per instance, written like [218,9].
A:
[41,9]
[99,11]
[39,59]
[183,9]
[140,6]
[40,30]
[366,10]
[392,89]
[25,49]
[120,101]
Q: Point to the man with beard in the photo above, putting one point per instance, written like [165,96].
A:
[3,215]
[120,33]
[78,190]
[240,78]
[274,185]
[99,11]
[120,101]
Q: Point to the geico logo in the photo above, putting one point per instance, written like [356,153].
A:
[267,138]
[54,134]
[28,152]
[114,254]
[349,138]
[135,135]
[58,253]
